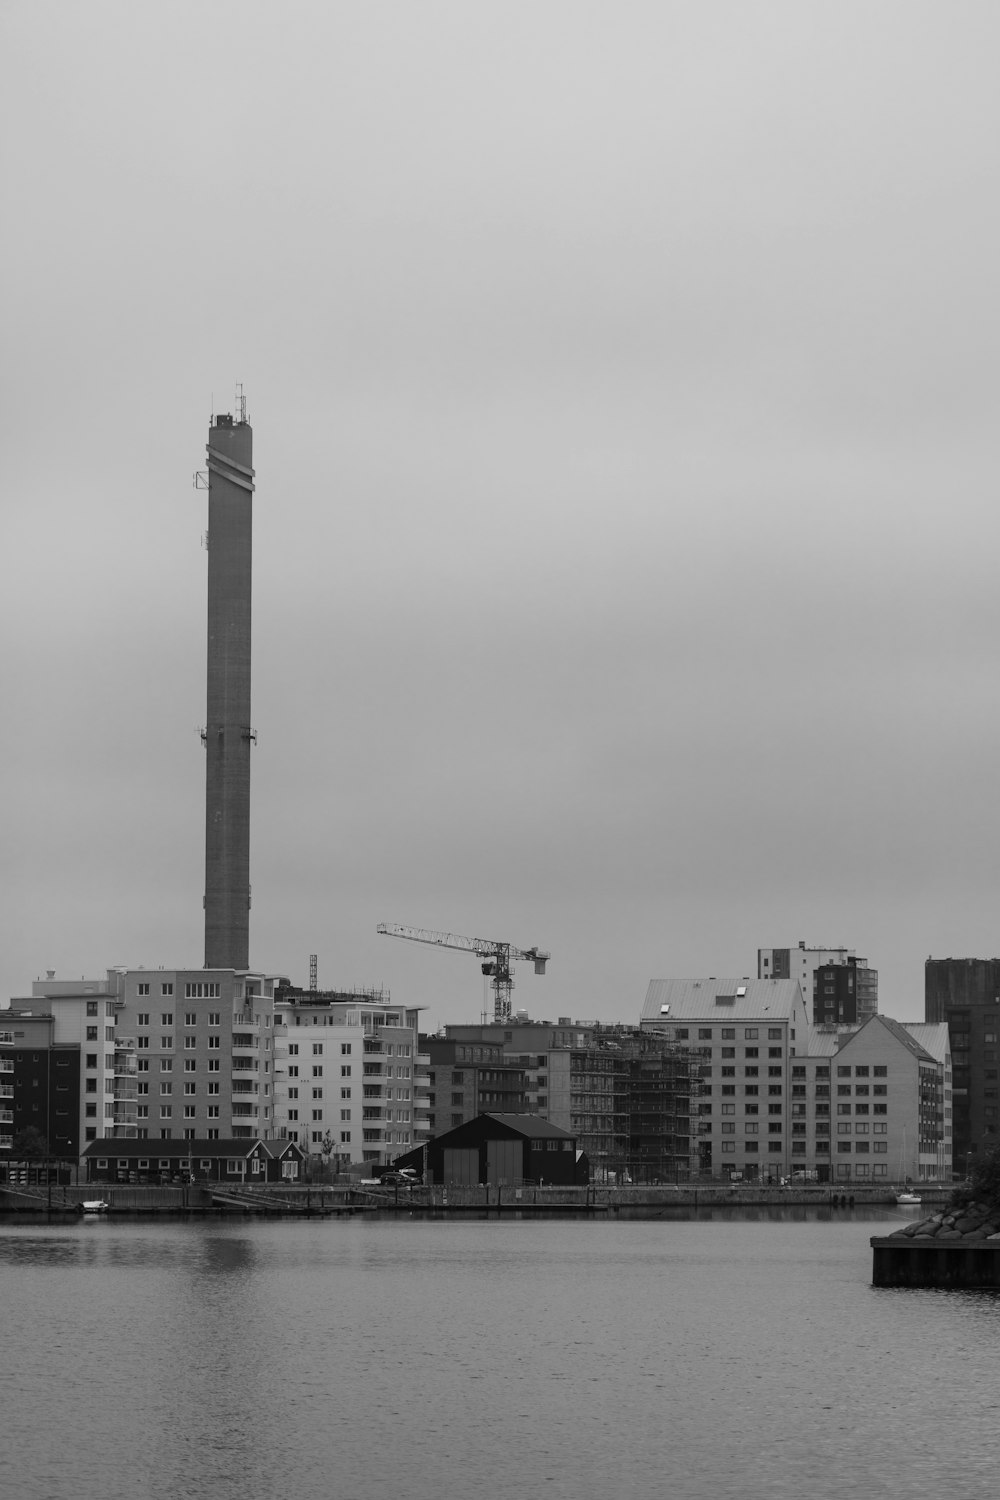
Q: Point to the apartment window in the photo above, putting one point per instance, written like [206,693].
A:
[190,1018]
[318,1114]
[774,1072]
[189,1065]
[774,1088]
[345,1093]
[317,1093]
[750,1072]
[317,1070]
[843,1109]
[729,1052]
[213,1045]
[879,1127]
[293,1093]
[751,1051]
[345,1071]
[167,1018]
[844,1147]
[861,1071]
[317,1049]
[774,1109]
[215,1018]
[166,1065]
[213,1114]
[166,1088]
[750,1127]
[882,1146]
[729,1146]
[293,1071]
[861,1148]
[189,1111]
[861,1109]
[190,1043]
[774,1127]
[750,1034]
[293,1114]
[91,1034]
[142,989]
[727,1088]
[728,1072]
[844,1088]
[774,1033]
[705,1034]
[166,1111]
[345,1137]
[861,1129]
[727,1109]
[190,1088]
[167,988]
[142,1043]
[751,1089]
[213,1088]
[751,1109]
[728,1127]
[861,1088]
[880,1109]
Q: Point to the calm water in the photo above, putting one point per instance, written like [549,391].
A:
[693,1358]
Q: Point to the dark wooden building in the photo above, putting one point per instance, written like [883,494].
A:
[503,1150]
[236,1161]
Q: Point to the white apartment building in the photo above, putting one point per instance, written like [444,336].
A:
[351,1083]
[750,1034]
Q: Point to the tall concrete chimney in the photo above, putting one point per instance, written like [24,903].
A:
[227,728]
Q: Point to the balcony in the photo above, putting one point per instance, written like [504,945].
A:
[6,1039]
[245,1085]
[244,1113]
[372,1112]
[6,1117]
[6,1091]
[6,1065]
[244,1046]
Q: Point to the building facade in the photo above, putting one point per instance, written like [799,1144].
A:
[747,1034]
[351,1077]
[964,994]
[837,984]
[39,1084]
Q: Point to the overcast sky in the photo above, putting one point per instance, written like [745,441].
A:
[624,384]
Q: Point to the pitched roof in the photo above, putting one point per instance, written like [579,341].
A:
[532,1125]
[932,1036]
[176,1150]
[897,1030]
[720,999]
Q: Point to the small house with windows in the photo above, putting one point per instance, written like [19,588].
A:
[503,1150]
[238,1162]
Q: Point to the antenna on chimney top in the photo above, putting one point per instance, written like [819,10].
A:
[241,403]
[313,984]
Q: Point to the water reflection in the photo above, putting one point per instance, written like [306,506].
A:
[725,1355]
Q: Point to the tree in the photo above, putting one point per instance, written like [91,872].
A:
[983,1185]
[29,1145]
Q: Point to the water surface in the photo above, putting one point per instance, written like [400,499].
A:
[707,1356]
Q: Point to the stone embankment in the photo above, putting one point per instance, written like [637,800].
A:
[969,1225]
[954,1248]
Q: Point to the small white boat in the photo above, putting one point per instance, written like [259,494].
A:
[907,1197]
[95,1206]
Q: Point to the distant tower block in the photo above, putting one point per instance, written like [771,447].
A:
[228,732]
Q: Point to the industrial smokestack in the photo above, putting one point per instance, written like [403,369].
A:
[228,731]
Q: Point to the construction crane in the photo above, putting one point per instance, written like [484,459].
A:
[496,958]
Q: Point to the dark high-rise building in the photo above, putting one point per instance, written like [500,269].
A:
[844,994]
[227,728]
[965,992]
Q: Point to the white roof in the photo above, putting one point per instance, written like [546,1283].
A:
[932,1036]
[721,1000]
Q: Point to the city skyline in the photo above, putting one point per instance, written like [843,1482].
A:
[622,392]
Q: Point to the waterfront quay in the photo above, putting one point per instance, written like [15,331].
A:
[444,1201]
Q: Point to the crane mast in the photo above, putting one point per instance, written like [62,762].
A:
[496,958]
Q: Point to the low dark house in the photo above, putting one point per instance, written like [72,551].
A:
[236,1162]
[503,1150]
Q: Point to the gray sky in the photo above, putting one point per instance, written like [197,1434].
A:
[624,385]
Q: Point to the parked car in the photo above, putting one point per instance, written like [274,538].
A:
[399,1177]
